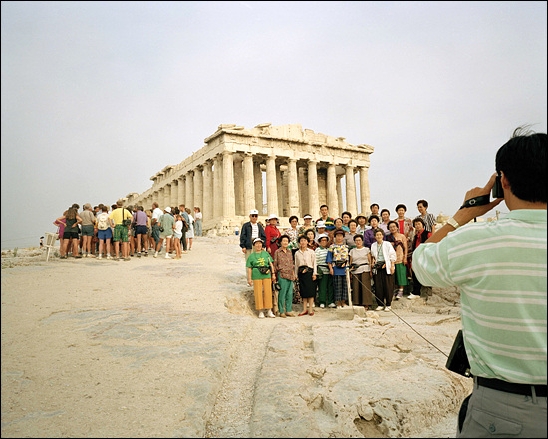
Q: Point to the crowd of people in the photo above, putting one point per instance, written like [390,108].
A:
[120,233]
[334,262]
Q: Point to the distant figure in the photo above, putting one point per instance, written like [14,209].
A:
[41,242]
[197,222]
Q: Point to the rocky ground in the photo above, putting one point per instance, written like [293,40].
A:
[173,348]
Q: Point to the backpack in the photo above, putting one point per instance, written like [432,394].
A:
[102,221]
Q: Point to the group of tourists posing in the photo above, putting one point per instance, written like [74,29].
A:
[333,262]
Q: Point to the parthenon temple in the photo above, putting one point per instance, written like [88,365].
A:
[282,170]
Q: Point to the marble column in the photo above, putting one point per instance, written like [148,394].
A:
[365,196]
[313,198]
[207,208]
[217,186]
[160,200]
[271,187]
[198,190]
[228,186]
[258,178]
[302,176]
[189,190]
[293,187]
[181,190]
[239,185]
[351,204]
[249,184]
[174,191]
[340,206]
[167,196]
[332,195]
[279,191]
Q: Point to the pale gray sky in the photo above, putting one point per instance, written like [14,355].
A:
[99,96]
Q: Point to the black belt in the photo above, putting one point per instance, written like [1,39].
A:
[520,389]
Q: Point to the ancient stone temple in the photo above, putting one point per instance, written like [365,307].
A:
[283,170]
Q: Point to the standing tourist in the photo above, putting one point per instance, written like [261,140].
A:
[71,233]
[140,220]
[88,230]
[383,257]
[305,270]
[293,232]
[327,220]
[324,277]
[284,269]
[251,230]
[428,219]
[421,235]
[260,274]
[197,222]
[502,283]
[399,242]
[272,234]
[190,231]
[104,232]
[337,260]
[307,224]
[155,224]
[360,273]
[369,235]
[167,224]
[362,223]
[118,219]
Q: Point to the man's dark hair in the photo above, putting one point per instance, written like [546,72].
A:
[346,213]
[385,210]
[523,161]
[324,205]
[374,204]
[401,205]
[374,216]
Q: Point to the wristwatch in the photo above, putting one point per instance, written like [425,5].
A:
[451,221]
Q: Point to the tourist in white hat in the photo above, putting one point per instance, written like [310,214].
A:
[307,225]
[272,234]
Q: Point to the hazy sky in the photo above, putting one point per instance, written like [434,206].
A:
[99,96]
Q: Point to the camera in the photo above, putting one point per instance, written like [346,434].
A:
[457,361]
[497,191]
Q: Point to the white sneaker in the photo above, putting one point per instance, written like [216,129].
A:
[100,257]
[270,314]
[156,254]
[379,308]
[109,257]
[388,308]
[332,305]
[168,256]
[412,296]
[322,305]
[339,307]
[261,315]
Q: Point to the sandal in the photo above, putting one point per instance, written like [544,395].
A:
[311,313]
[303,313]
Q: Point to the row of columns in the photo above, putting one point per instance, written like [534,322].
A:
[231,185]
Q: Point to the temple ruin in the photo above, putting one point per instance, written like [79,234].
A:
[283,170]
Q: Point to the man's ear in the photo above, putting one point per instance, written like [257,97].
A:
[504,181]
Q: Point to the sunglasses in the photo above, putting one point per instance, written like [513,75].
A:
[254,215]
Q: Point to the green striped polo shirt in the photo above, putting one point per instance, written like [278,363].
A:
[500,268]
